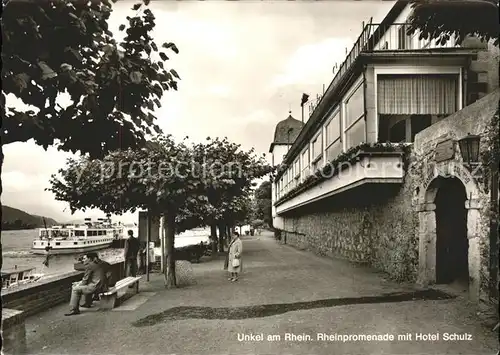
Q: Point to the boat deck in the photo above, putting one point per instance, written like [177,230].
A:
[18,270]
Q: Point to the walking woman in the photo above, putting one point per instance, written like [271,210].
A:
[234,261]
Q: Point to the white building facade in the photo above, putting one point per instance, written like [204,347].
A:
[348,185]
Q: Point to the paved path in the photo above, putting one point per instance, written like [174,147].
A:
[273,274]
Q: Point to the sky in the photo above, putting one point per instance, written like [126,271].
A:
[243,66]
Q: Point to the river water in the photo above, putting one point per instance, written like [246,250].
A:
[16,250]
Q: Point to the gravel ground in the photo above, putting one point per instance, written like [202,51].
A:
[284,299]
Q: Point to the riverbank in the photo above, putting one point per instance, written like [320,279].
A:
[16,251]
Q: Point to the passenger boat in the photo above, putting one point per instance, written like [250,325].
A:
[16,277]
[75,239]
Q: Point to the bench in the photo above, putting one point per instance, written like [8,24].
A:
[119,292]
[192,252]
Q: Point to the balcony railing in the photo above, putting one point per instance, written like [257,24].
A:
[391,37]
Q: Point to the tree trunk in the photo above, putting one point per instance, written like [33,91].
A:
[222,237]
[162,245]
[1,190]
[169,270]
[213,233]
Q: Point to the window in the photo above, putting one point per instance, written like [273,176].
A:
[296,167]
[419,123]
[402,128]
[317,152]
[397,133]
[355,135]
[333,142]
[426,94]
[355,124]
[305,164]
[333,129]
[316,165]
[402,38]
[317,147]
[296,171]
[354,106]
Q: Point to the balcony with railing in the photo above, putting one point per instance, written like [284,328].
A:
[376,37]
[350,156]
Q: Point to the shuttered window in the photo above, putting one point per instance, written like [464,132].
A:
[417,94]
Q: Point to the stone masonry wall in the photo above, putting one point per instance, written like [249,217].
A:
[370,225]
[379,224]
[473,119]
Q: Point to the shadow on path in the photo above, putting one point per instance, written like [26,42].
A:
[267,310]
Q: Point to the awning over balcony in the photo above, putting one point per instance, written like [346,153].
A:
[417,94]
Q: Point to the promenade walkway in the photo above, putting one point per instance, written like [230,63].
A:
[211,316]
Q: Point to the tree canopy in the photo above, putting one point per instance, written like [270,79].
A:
[55,47]
[441,19]
[160,177]
[263,203]
[165,177]
[235,167]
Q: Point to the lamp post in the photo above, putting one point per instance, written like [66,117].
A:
[469,149]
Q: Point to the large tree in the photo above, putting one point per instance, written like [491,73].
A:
[166,178]
[51,47]
[241,212]
[159,178]
[237,168]
[263,203]
[439,19]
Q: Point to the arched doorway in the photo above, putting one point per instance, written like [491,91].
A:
[451,233]
[448,235]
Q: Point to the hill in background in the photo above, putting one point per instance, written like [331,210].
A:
[14,219]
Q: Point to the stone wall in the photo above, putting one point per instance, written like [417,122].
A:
[473,119]
[379,224]
[13,332]
[44,294]
[369,225]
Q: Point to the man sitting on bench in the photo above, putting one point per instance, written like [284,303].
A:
[91,281]
[105,284]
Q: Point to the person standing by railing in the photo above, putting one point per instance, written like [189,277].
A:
[130,254]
